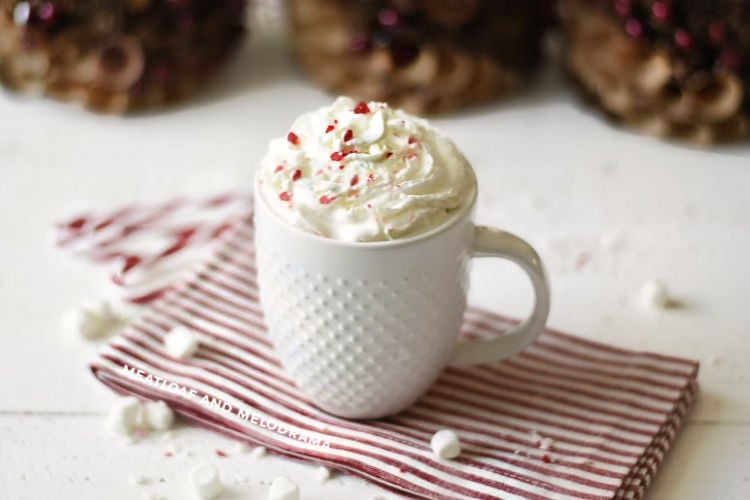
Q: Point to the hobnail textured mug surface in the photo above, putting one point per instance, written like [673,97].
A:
[363,329]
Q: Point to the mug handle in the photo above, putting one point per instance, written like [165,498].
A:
[489,242]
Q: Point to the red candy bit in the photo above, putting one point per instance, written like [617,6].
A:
[293,138]
[546,459]
[370,177]
[285,196]
[717,32]
[683,39]
[221,454]
[329,128]
[389,17]
[296,175]
[340,155]
[634,27]
[326,200]
[730,58]
[660,10]
[279,168]
[362,108]
[47,12]
[623,7]
[354,181]
[348,135]
[412,140]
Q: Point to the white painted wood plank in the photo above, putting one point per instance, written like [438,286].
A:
[70,457]
[708,461]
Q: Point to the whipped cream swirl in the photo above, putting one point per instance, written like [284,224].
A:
[362,171]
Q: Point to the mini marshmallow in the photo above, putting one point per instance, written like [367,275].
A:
[283,488]
[124,416]
[445,444]
[181,342]
[258,452]
[654,294]
[240,448]
[205,481]
[158,415]
[322,474]
[92,320]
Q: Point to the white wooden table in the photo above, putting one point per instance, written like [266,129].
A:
[548,171]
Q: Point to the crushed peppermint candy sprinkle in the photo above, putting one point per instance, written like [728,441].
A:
[362,108]
[278,169]
[285,196]
[293,138]
[354,181]
[330,128]
[348,135]
[296,175]
[326,200]
[340,155]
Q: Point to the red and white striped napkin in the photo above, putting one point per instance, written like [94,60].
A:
[567,418]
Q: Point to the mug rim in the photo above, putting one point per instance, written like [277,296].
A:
[460,212]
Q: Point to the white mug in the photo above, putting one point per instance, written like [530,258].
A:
[365,328]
